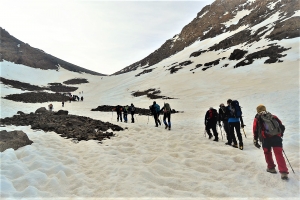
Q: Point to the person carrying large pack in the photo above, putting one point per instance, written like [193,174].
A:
[167,114]
[118,109]
[210,122]
[155,109]
[235,121]
[268,129]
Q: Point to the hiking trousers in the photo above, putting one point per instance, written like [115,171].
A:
[167,115]
[157,121]
[125,117]
[226,128]
[119,116]
[132,116]
[213,126]
[236,126]
[274,143]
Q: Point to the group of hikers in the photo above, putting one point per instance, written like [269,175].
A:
[125,109]
[267,129]
[154,110]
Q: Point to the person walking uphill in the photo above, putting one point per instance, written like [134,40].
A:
[132,111]
[155,109]
[235,121]
[118,109]
[125,112]
[223,117]
[210,121]
[269,130]
[167,114]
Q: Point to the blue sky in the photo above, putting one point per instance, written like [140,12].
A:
[103,36]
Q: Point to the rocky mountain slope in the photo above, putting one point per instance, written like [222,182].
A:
[14,50]
[224,16]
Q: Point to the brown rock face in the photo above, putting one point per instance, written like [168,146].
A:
[13,139]
[211,19]
[14,50]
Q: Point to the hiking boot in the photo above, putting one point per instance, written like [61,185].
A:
[284,176]
[156,125]
[216,140]
[272,170]
[227,143]
[241,147]
[166,127]
[235,145]
[169,128]
[210,136]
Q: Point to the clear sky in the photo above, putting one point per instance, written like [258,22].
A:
[103,36]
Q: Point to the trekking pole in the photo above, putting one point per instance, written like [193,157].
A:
[244,133]
[148,119]
[221,132]
[288,161]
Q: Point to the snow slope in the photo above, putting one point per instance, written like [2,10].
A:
[148,162]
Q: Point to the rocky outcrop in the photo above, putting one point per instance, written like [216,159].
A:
[76,81]
[14,50]
[69,126]
[211,22]
[37,97]
[55,87]
[13,139]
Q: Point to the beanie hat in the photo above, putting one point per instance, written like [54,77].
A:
[261,108]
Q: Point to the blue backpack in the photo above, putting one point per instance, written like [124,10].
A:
[236,109]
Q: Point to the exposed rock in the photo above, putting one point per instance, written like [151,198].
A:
[13,139]
[61,112]
[41,110]
[144,72]
[14,50]
[76,81]
[151,93]
[237,54]
[197,53]
[272,52]
[185,63]
[20,113]
[70,126]
[37,97]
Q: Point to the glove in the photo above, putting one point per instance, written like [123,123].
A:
[243,125]
[255,142]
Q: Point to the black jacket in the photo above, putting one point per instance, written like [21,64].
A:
[211,117]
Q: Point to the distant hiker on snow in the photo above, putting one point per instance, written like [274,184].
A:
[210,121]
[62,103]
[167,114]
[132,111]
[50,106]
[223,117]
[155,109]
[125,112]
[269,130]
[81,98]
[235,118]
[118,109]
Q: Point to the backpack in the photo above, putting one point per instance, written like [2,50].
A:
[167,107]
[132,108]
[212,114]
[236,109]
[270,125]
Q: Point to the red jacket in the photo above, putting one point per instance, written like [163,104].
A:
[256,127]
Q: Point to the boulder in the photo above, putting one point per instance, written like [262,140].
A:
[41,110]
[62,112]
[13,139]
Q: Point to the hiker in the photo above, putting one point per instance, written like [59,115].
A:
[81,98]
[270,139]
[50,106]
[118,109]
[167,114]
[155,109]
[223,117]
[235,121]
[125,112]
[210,121]
[63,103]
[132,111]
[70,98]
